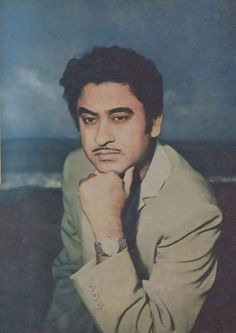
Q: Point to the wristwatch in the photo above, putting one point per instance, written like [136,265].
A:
[110,246]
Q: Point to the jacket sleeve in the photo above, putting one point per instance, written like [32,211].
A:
[183,271]
[67,313]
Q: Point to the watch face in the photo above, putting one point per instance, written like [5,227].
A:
[110,246]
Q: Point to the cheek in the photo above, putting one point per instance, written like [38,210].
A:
[86,144]
[134,143]
[85,136]
[130,132]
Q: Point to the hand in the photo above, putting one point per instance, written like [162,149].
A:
[102,197]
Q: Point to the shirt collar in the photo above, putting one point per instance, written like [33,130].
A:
[157,174]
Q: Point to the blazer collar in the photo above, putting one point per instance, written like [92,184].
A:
[157,174]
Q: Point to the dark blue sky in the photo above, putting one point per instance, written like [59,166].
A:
[192,42]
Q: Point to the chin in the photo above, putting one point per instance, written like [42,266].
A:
[107,167]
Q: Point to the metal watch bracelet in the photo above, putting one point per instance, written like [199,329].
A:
[108,246]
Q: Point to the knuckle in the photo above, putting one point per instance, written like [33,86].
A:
[82,183]
[91,175]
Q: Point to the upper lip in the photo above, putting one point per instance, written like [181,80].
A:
[105,151]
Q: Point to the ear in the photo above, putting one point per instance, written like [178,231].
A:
[156,126]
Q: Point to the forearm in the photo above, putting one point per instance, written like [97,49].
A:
[170,298]
[107,289]
[119,302]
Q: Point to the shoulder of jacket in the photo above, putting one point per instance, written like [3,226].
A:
[186,201]
[76,165]
[74,157]
[190,185]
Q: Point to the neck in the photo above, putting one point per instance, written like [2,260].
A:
[143,168]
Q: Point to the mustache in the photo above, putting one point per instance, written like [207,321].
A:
[103,149]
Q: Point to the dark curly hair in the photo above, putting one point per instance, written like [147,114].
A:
[115,64]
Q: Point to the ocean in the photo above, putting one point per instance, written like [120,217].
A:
[39,162]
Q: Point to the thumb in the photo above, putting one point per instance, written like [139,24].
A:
[128,178]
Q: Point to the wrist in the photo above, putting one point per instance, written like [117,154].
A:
[109,246]
[112,230]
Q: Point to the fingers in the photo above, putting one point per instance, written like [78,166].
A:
[91,175]
[128,178]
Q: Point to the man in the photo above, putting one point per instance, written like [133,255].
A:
[140,224]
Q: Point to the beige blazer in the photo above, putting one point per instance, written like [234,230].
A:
[178,226]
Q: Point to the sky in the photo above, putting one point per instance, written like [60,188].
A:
[191,42]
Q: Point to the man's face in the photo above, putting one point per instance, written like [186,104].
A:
[112,127]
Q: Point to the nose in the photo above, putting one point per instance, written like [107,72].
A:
[104,134]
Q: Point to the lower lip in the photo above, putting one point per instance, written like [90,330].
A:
[107,157]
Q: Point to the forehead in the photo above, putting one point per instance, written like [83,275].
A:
[107,95]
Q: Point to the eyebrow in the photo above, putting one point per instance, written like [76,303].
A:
[127,110]
[84,110]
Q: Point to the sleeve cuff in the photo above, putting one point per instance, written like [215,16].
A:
[101,286]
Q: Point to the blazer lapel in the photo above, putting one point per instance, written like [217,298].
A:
[158,172]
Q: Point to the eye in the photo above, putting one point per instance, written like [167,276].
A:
[89,120]
[120,118]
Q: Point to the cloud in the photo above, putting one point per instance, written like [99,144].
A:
[33,107]
[30,79]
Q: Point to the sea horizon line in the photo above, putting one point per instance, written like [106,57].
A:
[53,180]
